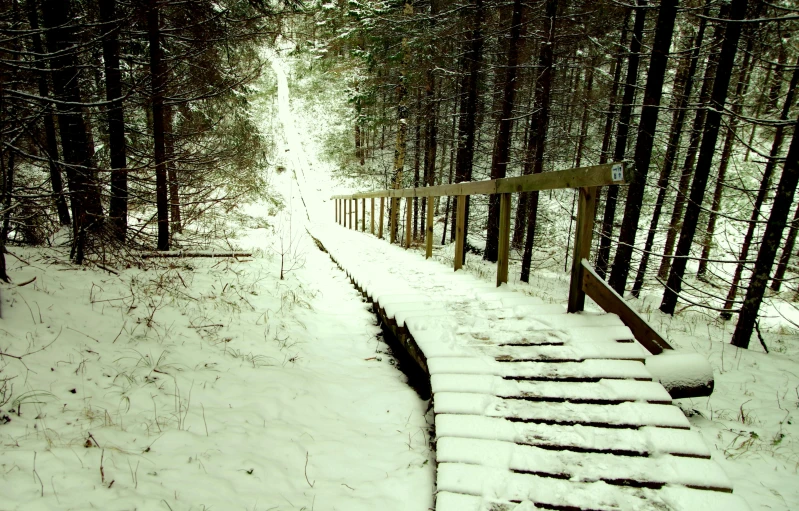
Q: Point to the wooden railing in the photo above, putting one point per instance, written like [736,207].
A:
[584,280]
[586,179]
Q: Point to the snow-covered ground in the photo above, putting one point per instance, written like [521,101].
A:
[198,384]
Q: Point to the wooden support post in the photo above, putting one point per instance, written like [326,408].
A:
[408,221]
[503,250]
[380,226]
[586,207]
[372,217]
[460,223]
[345,212]
[394,217]
[363,212]
[428,249]
[355,206]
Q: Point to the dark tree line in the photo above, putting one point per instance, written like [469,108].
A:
[126,120]
[698,96]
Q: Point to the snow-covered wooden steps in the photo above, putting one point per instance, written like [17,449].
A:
[534,408]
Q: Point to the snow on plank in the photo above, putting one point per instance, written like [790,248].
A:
[585,370]
[604,390]
[547,335]
[611,415]
[585,467]
[572,352]
[644,441]
[504,485]
[669,498]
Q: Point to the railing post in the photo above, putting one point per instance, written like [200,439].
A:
[460,224]
[394,217]
[372,217]
[355,203]
[408,220]
[503,250]
[344,212]
[586,207]
[428,250]
[363,215]
[380,226]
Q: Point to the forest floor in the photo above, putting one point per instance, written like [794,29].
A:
[197,384]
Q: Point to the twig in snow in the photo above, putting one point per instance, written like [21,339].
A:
[207,326]
[87,335]
[204,422]
[22,284]
[306,471]
[760,336]
[102,473]
[94,440]
[36,474]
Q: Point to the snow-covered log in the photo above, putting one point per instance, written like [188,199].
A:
[683,374]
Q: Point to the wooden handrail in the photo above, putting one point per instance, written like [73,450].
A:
[581,177]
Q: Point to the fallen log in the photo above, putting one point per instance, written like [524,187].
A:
[192,253]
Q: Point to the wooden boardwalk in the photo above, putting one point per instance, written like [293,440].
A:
[534,407]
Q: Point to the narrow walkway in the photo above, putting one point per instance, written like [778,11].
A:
[533,407]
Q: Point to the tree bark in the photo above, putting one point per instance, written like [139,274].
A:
[538,132]
[768,248]
[787,252]
[711,131]
[684,81]
[51,140]
[118,206]
[499,162]
[693,148]
[87,211]
[158,78]
[765,184]
[603,255]
[467,126]
[664,28]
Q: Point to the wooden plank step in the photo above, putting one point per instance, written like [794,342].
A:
[677,499]
[587,370]
[603,391]
[585,467]
[644,441]
[567,353]
[546,335]
[619,415]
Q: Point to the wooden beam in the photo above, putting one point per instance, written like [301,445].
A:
[372,217]
[355,207]
[363,213]
[428,249]
[394,218]
[380,226]
[586,208]
[460,224]
[346,209]
[610,301]
[503,251]
[408,221]
[582,177]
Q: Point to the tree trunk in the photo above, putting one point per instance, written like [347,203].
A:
[708,147]
[625,114]
[467,126]
[158,78]
[175,222]
[118,207]
[664,29]
[740,93]
[499,162]
[768,248]
[51,140]
[87,211]
[684,81]
[787,252]
[765,184]
[538,132]
[693,148]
